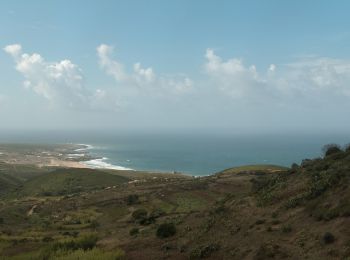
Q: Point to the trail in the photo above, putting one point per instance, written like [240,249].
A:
[31,211]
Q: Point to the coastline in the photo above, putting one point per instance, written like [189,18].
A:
[94,163]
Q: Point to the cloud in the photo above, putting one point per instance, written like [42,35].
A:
[319,75]
[144,80]
[61,83]
[232,76]
[308,78]
[14,49]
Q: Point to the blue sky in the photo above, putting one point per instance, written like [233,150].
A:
[202,63]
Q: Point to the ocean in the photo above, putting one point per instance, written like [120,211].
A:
[198,155]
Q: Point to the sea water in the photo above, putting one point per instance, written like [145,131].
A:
[194,154]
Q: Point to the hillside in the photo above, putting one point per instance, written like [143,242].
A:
[69,181]
[253,212]
[8,183]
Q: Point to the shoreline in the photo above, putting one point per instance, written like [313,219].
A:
[94,163]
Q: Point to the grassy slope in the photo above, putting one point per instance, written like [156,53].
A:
[8,183]
[22,172]
[254,168]
[67,181]
[225,216]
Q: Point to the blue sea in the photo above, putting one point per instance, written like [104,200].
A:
[200,154]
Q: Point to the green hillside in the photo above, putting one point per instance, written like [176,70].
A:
[254,168]
[250,212]
[8,183]
[69,181]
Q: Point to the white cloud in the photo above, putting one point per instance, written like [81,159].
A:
[14,49]
[145,80]
[308,78]
[61,83]
[232,76]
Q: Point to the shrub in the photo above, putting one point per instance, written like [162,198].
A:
[347,148]
[328,238]
[156,213]
[85,243]
[204,251]
[330,149]
[294,166]
[134,231]
[260,221]
[286,228]
[166,230]
[47,239]
[93,254]
[139,214]
[132,199]
[94,224]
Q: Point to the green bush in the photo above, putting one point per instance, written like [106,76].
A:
[139,214]
[156,213]
[286,228]
[328,238]
[330,149]
[260,221]
[93,254]
[132,199]
[134,231]
[166,230]
[347,148]
[84,243]
[204,251]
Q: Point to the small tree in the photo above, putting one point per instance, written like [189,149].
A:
[132,199]
[347,148]
[140,215]
[330,149]
[166,230]
[328,238]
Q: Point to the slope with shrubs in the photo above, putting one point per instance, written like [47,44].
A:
[300,213]
[69,181]
[257,212]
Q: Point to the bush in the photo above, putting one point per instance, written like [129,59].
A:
[330,149]
[347,148]
[286,228]
[204,251]
[93,254]
[132,199]
[294,167]
[166,230]
[141,216]
[260,221]
[156,213]
[328,238]
[134,231]
[84,243]
[94,224]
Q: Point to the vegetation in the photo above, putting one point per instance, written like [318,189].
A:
[330,149]
[328,238]
[252,212]
[166,230]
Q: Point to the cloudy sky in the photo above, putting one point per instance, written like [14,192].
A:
[233,66]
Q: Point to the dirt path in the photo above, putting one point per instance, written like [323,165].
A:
[31,211]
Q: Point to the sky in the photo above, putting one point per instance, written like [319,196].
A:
[215,66]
